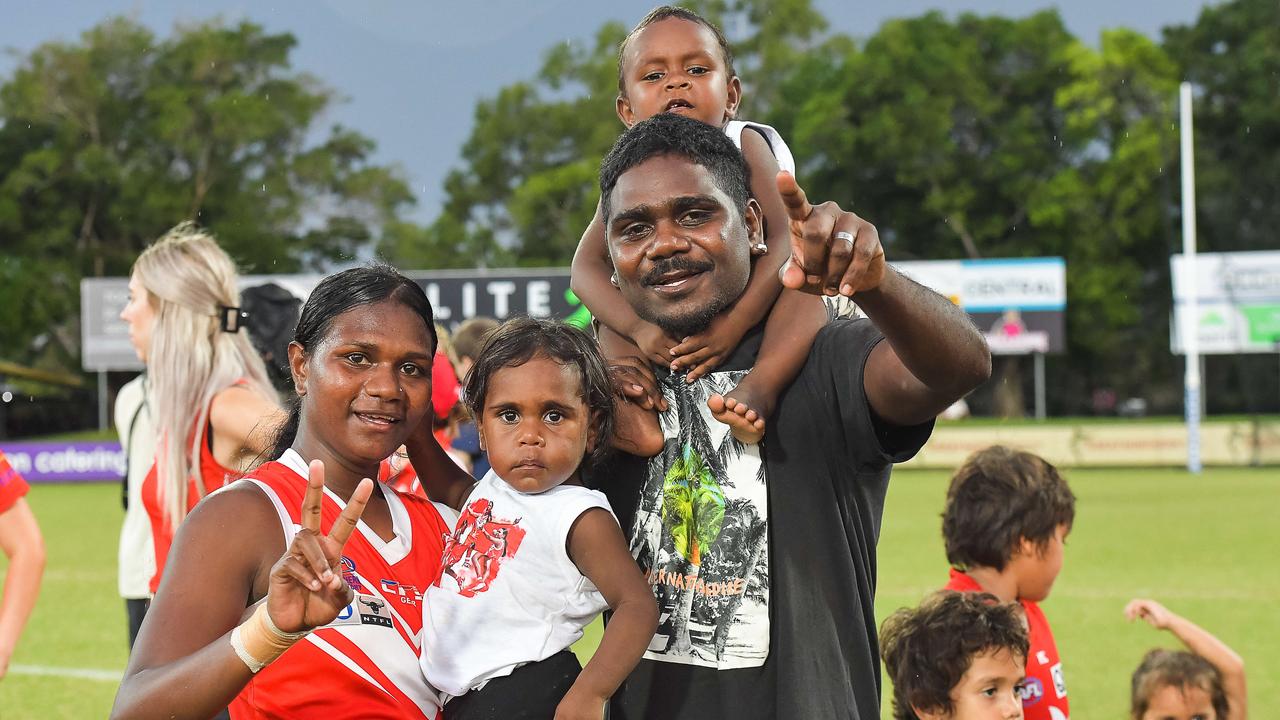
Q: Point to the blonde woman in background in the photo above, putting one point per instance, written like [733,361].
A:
[215,410]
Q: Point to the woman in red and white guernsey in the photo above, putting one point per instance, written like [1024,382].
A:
[297,591]
[214,408]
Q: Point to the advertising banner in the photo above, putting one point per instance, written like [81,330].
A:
[1019,303]
[1252,442]
[39,462]
[455,295]
[1239,302]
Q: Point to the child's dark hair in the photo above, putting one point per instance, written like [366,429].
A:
[997,498]
[928,649]
[521,339]
[335,295]
[665,12]
[671,134]
[1180,669]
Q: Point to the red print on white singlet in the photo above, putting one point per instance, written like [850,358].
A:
[477,548]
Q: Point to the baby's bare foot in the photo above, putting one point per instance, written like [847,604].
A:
[746,424]
[756,394]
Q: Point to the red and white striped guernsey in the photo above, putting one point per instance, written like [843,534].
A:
[365,663]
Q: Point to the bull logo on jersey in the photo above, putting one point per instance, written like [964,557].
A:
[477,548]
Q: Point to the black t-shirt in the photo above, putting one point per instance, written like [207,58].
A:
[763,559]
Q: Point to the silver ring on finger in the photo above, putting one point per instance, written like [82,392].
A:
[845,236]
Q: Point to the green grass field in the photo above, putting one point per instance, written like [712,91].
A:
[1205,546]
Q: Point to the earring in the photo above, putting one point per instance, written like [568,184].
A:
[613,279]
[760,248]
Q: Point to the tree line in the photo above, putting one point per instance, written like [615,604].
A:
[964,136]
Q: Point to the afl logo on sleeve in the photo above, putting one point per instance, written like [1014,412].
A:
[1032,691]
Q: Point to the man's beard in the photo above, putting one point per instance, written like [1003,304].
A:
[689,323]
[680,326]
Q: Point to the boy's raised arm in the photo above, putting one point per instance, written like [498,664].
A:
[1201,642]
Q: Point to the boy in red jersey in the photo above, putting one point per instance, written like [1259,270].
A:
[1007,518]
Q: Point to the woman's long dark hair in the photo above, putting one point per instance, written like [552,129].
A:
[336,295]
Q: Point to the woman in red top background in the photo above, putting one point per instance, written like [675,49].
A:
[215,409]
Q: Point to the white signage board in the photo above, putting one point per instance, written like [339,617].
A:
[1019,303]
[1239,302]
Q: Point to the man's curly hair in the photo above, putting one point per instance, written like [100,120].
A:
[928,649]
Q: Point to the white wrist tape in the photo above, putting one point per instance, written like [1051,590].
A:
[258,642]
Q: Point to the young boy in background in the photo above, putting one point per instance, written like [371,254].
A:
[958,656]
[1007,518]
[467,340]
[1204,682]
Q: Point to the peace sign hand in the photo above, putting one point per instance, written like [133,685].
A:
[832,251]
[306,588]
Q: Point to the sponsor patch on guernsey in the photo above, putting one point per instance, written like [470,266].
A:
[1059,683]
[364,610]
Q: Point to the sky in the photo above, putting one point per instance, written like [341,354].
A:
[409,73]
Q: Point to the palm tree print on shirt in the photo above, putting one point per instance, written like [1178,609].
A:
[692,506]
[702,533]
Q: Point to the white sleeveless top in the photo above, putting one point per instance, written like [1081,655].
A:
[779,147]
[508,594]
[137,556]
